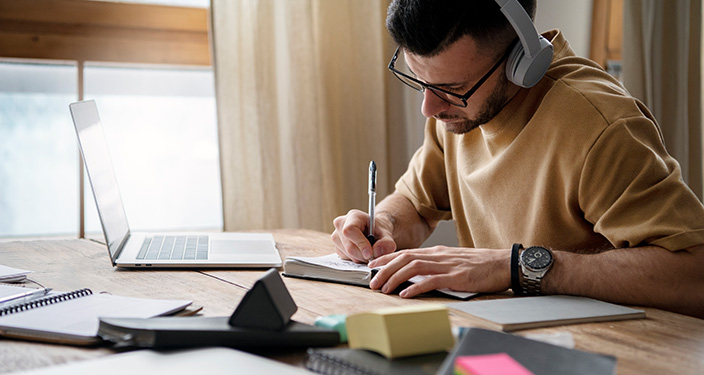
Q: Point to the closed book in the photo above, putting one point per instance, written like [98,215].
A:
[343,361]
[511,314]
[538,357]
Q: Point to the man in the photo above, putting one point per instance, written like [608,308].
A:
[573,168]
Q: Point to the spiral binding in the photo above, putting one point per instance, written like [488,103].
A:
[45,301]
[328,365]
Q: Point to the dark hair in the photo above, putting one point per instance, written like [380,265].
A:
[427,27]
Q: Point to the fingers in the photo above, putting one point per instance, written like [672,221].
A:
[427,284]
[339,247]
[384,245]
[476,270]
[349,239]
[403,267]
[342,254]
[385,258]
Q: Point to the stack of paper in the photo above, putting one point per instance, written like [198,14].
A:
[401,331]
[12,275]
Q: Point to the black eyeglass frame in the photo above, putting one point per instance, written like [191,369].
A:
[436,90]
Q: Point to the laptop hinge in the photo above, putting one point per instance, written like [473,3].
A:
[120,247]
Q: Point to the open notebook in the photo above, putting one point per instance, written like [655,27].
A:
[331,268]
[72,317]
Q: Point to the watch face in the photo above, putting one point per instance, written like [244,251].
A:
[536,258]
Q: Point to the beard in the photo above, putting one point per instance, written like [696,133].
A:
[491,107]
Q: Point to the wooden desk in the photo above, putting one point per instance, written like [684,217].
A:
[663,343]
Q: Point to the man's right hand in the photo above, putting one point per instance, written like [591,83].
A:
[350,238]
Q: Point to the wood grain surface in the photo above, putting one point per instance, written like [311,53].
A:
[663,342]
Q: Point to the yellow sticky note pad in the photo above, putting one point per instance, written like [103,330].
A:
[402,331]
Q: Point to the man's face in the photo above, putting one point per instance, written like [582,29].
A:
[457,69]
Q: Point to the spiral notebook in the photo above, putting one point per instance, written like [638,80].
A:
[344,361]
[72,317]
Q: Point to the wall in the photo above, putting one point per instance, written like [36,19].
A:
[572,17]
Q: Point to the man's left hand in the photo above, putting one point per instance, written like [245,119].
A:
[459,269]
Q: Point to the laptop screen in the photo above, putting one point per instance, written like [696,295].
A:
[101,174]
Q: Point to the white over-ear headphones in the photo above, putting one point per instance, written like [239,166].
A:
[530,58]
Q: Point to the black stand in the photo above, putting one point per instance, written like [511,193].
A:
[268,305]
[262,320]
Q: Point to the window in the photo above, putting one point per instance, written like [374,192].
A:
[148,68]
[161,129]
[38,154]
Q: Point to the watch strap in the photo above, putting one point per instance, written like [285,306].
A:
[531,287]
[515,269]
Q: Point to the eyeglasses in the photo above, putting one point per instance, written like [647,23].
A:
[448,96]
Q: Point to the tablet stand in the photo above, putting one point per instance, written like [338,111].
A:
[267,305]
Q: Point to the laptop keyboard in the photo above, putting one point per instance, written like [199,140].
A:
[174,248]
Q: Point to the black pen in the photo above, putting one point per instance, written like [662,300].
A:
[372,202]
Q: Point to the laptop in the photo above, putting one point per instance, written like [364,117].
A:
[173,250]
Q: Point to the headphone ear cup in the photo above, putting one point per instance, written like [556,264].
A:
[524,71]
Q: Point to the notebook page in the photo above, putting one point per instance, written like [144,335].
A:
[333,261]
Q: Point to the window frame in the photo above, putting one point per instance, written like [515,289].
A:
[607,31]
[101,31]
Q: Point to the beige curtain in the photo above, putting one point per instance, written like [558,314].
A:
[304,103]
[662,66]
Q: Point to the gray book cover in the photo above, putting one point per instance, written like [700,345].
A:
[544,311]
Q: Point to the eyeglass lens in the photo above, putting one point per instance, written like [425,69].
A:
[403,74]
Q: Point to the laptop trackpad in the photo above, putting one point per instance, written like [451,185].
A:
[239,247]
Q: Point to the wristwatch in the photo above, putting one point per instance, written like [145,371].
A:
[535,262]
